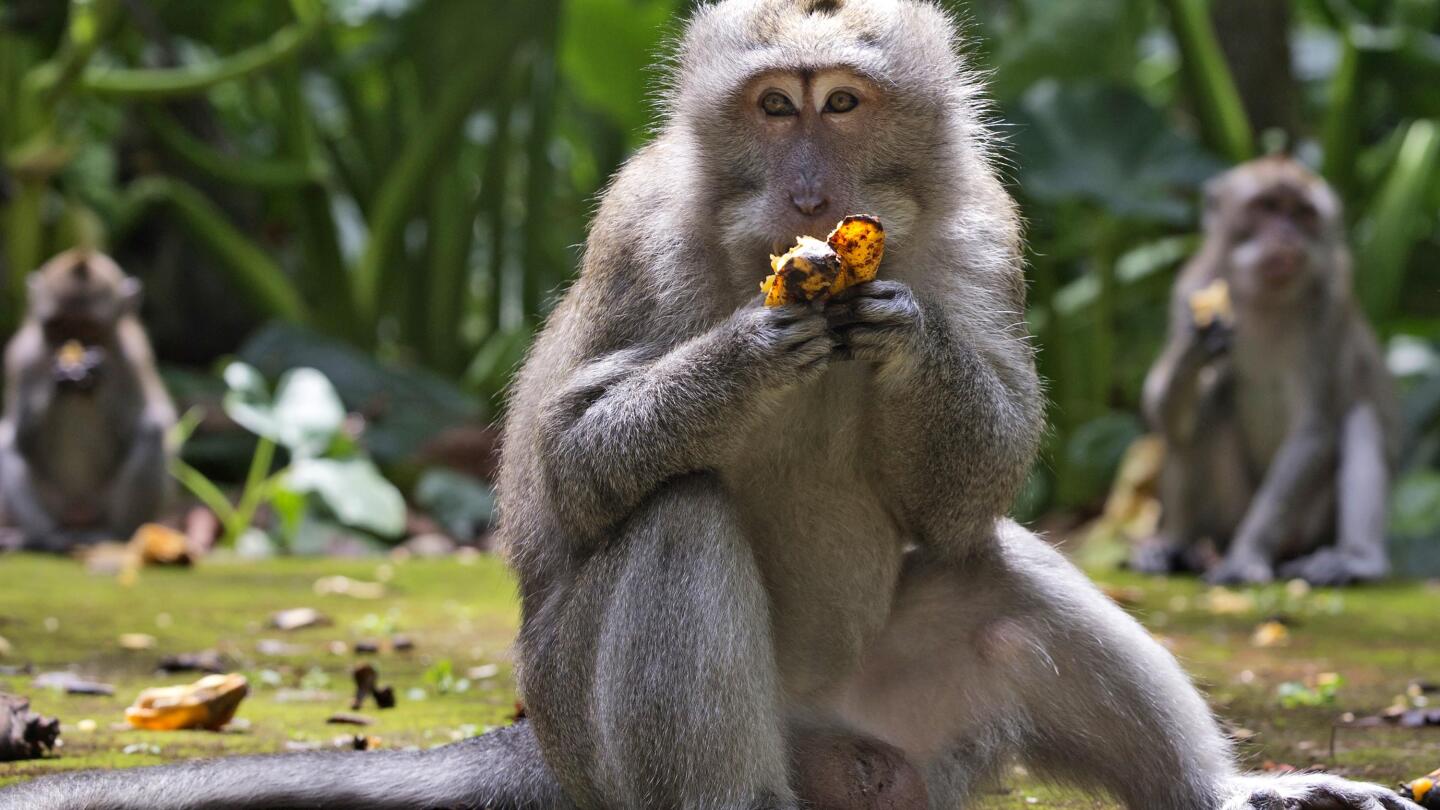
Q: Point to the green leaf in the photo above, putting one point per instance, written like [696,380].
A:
[607,50]
[248,401]
[1397,221]
[465,506]
[304,415]
[1415,505]
[308,411]
[1106,145]
[354,490]
[1217,100]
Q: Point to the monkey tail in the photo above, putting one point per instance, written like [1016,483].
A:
[502,770]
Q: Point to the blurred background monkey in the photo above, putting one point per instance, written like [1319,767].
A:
[82,441]
[1272,394]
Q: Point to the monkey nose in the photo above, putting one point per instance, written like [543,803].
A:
[808,202]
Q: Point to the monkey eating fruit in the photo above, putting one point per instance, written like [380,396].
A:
[814,270]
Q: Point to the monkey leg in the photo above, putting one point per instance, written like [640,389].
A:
[1205,486]
[24,506]
[649,671]
[137,493]
[1361,495]
[1018,655]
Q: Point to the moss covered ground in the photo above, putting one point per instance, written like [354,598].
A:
[461,615]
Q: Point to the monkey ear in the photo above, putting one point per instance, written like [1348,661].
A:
[132,292]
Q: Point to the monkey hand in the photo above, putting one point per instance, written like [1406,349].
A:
[876,320]
[1312,791]
[786,344]
[1215,338]
[1241,569]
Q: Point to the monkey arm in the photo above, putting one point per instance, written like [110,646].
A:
[1306,455]
[1171,395]
[958,408]
[628,421]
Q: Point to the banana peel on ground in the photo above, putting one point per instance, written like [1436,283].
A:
[209,703]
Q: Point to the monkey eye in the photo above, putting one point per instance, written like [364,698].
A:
[841,101]
[777,104]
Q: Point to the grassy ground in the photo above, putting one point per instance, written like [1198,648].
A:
[57,616]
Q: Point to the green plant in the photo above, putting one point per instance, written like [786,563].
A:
[326,467]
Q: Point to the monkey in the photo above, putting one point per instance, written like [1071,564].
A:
[758,548]
[82,440]
[1280,428]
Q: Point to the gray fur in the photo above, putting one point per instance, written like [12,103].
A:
[733,526]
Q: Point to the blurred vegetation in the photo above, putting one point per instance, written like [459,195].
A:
[393,191]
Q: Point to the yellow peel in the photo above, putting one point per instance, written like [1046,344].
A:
[813,270]
[1212,304]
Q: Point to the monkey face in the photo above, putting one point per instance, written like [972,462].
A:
[799,113]
[80,298]
[1281,226]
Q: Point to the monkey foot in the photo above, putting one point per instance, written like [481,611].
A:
[1241,571]
[1313,791]
[1159,555]
[1330,567]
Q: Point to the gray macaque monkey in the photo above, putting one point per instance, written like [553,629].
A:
[82,441]
[764,548]
[1279,417]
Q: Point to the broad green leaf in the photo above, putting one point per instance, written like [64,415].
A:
[248,401]
[607,53]
[465,506]
[354,490]
[1106,145]
[308,411]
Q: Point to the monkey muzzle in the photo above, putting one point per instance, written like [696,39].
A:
[77,366]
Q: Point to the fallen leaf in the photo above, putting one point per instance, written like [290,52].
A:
[1270,634]
[1225,602]
[348,719]
[345,586]
[137,641]
[208,661]
[299,619]
[71,684]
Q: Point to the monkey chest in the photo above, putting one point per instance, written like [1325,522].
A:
[79,447]
[1268,401]
[823,536]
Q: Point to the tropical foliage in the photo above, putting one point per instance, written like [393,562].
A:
[409,180]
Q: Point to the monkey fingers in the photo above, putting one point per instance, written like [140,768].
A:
[874,320]
[1313,791]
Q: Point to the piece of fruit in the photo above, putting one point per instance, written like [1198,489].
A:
[813,270]
[1211,305]
[859,240]
[209,703]
[1422,791]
